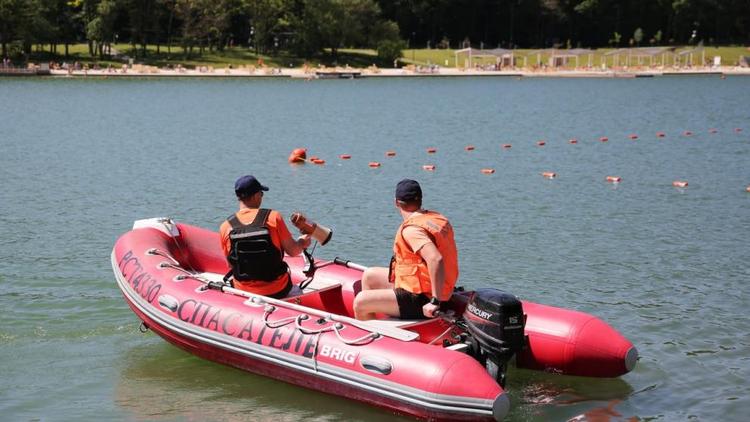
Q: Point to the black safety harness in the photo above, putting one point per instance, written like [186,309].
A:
[252,255]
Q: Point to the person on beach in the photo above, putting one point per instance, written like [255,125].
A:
[254,241]
[424,267]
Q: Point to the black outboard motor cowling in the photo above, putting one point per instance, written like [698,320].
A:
[495,322]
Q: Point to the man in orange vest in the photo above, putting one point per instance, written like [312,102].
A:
[424,267]
[254,241]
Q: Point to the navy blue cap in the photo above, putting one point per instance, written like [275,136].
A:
[408,190]
[247,185]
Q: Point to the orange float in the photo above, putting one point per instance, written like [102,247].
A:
[738,129]
[490,171]
[390,153]
[573,141]
[298,155]
[603,139]
[613,179]
[680,183]
[541,143]
[549,175]
[318,161]
[345,156]
[687,133]
[431,150]
[506,146]
[374,164]
[660,134]
[633,136]
[428,167]
[469,148]
[712,131]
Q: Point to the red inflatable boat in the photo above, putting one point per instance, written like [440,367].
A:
[447,368]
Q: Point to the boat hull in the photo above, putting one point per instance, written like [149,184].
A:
[403,376]
[167,273]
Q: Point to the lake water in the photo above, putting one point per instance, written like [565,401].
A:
[80,160]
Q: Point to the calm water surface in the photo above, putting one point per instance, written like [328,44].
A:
[81,159]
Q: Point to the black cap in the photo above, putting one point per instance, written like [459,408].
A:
[408,190]
[247,185]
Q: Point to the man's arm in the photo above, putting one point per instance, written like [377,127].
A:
[434,260]
[420,242]
[291,246]
[295,247]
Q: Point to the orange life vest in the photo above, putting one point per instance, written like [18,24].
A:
[408,269]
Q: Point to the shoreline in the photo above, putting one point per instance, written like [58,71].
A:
[356,73]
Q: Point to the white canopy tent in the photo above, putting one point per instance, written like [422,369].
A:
[560,57]
[501,55]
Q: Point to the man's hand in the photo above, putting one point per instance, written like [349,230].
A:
[304,241]
[429,310]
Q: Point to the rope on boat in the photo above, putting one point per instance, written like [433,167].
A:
[336,327]
[268,310]
[154,251]
[441,335]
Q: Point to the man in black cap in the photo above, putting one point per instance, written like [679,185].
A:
[254,241]
[424,267]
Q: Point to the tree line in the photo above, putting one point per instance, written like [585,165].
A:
[309,27]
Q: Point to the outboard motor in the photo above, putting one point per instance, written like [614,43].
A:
[495,325]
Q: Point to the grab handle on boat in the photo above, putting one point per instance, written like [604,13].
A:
[348,264]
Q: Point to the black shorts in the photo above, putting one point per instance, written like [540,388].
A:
[410,304]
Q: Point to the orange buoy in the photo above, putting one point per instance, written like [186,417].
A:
[680,183]
[687,133]
[603,139]
[374,164]
[298,155]
[573,141]
[390,153]
[345,156]
[431,150]
[428,167]
[660,134]
[540,143]
[469,148]
[506,146]
[313,158]
[712,130]
[490,171]
[549,175]
[318,161]
[633,136]
[614,179]
[738,129]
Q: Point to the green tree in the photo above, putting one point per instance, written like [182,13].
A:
[386,39]
[335,24]
[657,37]
[267,17]
[101,29]
[16,21]
[615,40]
[638,36]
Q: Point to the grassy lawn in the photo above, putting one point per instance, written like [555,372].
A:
[729,56]
[238,56]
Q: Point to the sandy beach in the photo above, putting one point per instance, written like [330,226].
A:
[348,73]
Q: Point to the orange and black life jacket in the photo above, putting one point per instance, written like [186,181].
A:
[252,255]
